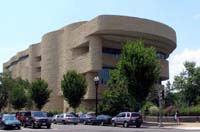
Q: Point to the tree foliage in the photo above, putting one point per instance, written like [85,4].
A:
[39,93]
[6,84]
[140,68]
[25,85]
[3,97]
[132,80]
[187,83]
[116,98]
[18,97]
[74,88]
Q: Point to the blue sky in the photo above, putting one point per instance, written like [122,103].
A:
[24,22]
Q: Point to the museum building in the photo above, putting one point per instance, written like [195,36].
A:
[91,48]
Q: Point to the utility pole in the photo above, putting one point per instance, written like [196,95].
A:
[161,97]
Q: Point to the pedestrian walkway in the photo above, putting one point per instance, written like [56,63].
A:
[187,126]
[172,125]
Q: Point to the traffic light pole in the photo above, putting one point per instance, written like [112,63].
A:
[160,113]
[160,106]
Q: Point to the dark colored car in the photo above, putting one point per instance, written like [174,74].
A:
[9,121]
[87,119]
[127,118]
[1,116]
[36,119]
[103,119]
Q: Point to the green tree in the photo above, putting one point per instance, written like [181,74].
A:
[74,88]
[18,97]
[6,84]
[26,86]
[39,93]
[24,83]
[3,97]
[140,67]
[116,98]
[187,83]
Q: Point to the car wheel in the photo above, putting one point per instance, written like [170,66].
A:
[48,126]
[54,121]
[138,125]
[125,124]
[102,123]
[32,125]
[18,127]
[64,122]
[113,123]
[24,125]
[4,127]
[85,122]
[75,123]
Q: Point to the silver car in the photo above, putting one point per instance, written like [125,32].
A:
[67,118]
[54,118]
[127,118]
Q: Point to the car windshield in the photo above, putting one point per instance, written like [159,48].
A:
[9,118]
[39,114]
[90,116]
[104,116]
[69,115]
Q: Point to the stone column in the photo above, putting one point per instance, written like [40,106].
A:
[95,53]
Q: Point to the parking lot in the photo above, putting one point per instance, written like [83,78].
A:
[95,128]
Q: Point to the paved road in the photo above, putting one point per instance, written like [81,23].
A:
[90,128]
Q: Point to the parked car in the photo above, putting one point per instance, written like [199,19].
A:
[54,118]
[127,118]
[1,116]
[9,121]
[36,119]
[67,118]
[87,119]
[103,119]
[20,116]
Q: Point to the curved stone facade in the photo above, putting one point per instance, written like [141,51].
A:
[81,46]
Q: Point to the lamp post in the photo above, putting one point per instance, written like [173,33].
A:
[96,81]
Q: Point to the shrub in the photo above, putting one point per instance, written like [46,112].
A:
[190,111]
[153,110]
[146,106]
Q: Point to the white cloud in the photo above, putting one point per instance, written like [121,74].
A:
[196,16]
[176,62]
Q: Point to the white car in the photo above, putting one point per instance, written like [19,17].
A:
[54,118]
[67,118]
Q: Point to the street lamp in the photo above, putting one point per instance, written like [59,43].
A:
[96,81]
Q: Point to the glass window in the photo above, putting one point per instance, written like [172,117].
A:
[123,115]
[38,58]
[161,55]
[23,58]
[39,114]
[135,114]
[111,51]
[104,74]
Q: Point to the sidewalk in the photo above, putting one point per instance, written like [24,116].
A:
[172,125]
